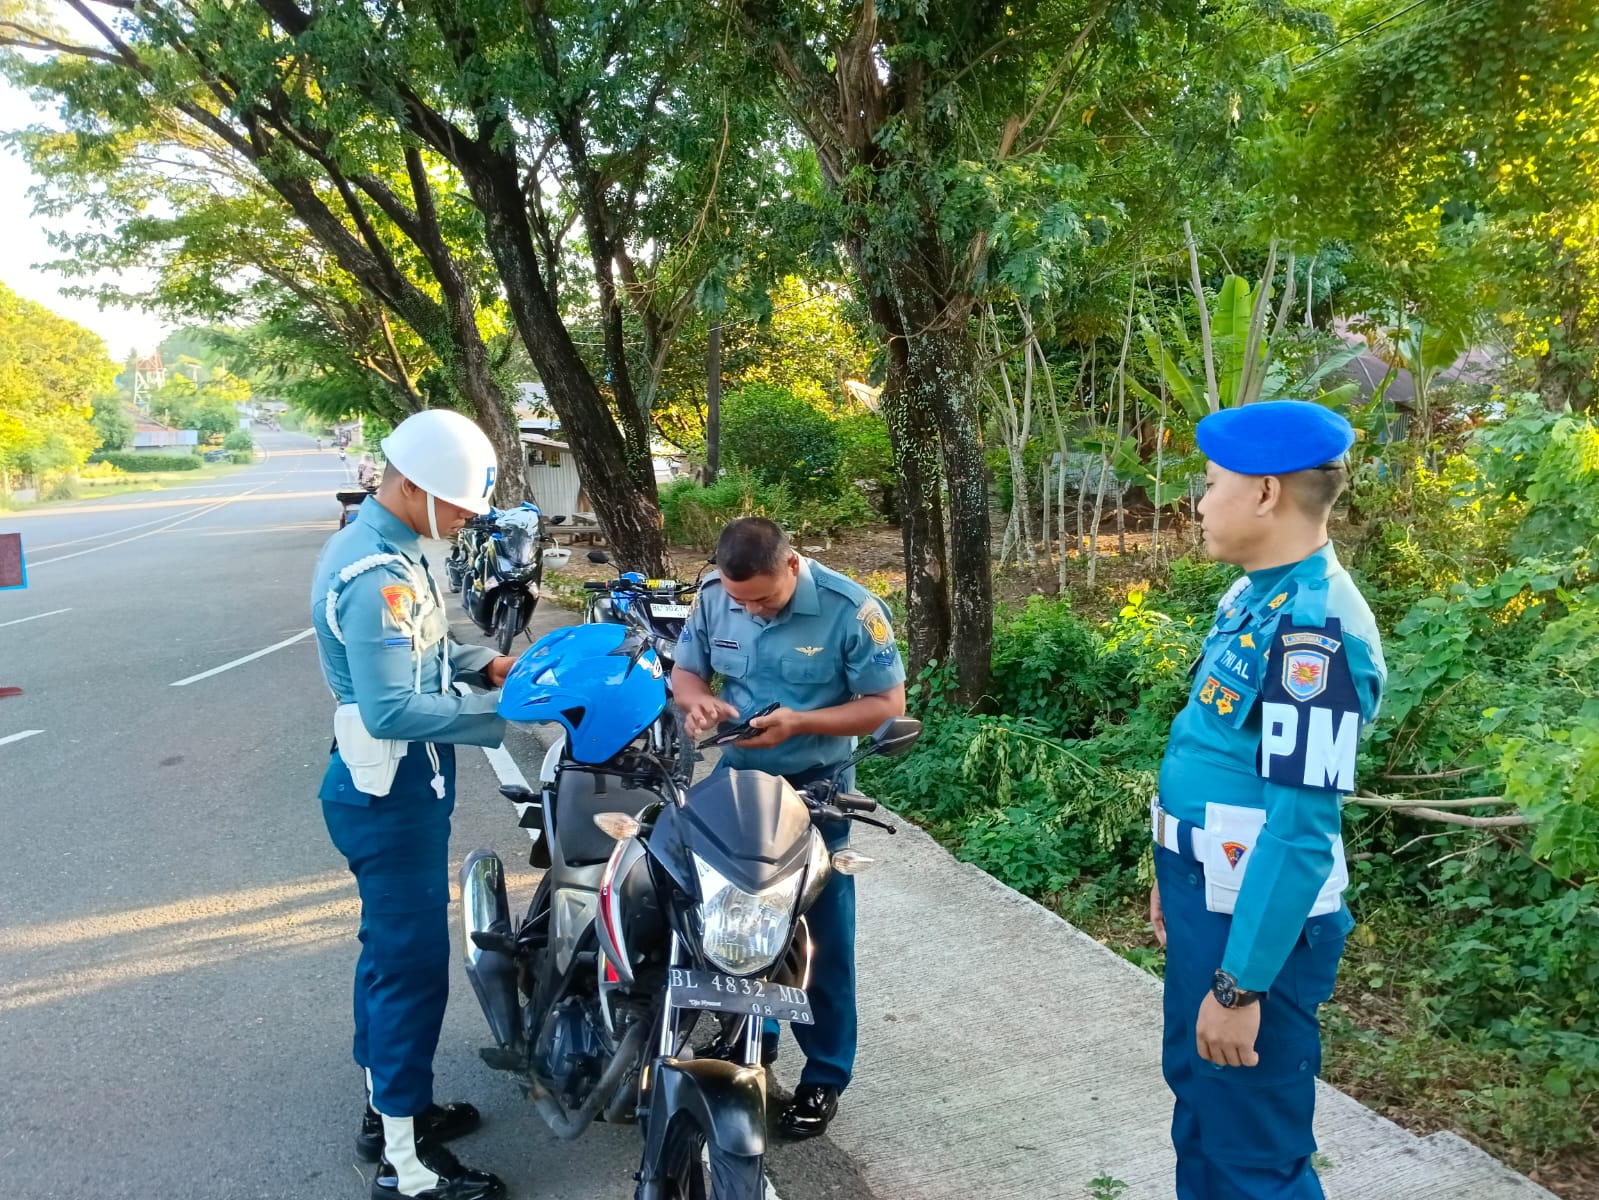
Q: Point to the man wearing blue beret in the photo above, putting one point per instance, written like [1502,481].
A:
[1249,862]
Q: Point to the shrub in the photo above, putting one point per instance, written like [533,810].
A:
[867,461]
[780,439]
[145,464]
[239,439]
[59,487]
[695,515]
[242,458]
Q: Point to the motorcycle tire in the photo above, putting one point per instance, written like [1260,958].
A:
[452,575]
[506,626]
[732,1176]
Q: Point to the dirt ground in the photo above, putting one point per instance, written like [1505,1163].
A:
[875,557]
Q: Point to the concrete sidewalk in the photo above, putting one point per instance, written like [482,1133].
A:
[1005,1055]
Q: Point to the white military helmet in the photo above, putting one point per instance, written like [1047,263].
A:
[447,456]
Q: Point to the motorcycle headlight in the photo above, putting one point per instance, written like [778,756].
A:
[665,647]
[743,932]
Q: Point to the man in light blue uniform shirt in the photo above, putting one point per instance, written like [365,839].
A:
[781,628]
[389,790]
[1249,861]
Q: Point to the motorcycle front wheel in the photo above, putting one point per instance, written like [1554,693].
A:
[508,623]
[732,1176]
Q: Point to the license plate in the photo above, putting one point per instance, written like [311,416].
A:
[670,612]
[728,993]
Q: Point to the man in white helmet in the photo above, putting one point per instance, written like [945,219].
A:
[389,789]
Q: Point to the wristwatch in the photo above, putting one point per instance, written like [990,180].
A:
[1229,995]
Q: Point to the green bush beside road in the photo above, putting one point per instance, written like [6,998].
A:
[145,464]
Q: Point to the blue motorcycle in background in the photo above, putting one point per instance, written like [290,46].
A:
[659,901]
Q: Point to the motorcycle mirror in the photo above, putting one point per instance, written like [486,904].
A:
[896,735]
[599,558]
[852,862]
[617,825]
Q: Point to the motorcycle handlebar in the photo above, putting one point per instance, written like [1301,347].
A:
[854,802]
[591,586]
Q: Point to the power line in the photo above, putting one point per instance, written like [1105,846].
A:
[1388,20]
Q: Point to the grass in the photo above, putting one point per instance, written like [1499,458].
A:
[96,488]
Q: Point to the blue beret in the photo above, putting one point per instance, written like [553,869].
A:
[1274,437]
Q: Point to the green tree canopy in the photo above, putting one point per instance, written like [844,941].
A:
[50,371]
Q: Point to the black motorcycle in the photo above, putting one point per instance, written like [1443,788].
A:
[497,565]
[659,902]
[657,608]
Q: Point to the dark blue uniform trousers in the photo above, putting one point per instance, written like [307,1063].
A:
[829,1044]
[398,850]
[1242,1133]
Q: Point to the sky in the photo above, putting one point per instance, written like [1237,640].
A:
[23,244]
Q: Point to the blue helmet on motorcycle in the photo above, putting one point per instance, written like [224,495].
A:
[582,678]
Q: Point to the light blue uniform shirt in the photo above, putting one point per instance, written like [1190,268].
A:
[829,645]
[393,624]
[1290,673]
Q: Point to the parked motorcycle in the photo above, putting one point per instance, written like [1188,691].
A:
[497,565]
[656,607]
[660,901]
[350,501]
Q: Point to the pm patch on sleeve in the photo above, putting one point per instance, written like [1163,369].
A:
[1310,712]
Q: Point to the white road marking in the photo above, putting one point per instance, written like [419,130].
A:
[210,508]
[239,662]
[35,617]
[95,537]
[505,766]
[17,737]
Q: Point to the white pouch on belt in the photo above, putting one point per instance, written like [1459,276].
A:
[373,761]
[1227,843]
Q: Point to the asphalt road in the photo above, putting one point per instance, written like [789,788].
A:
[176,930]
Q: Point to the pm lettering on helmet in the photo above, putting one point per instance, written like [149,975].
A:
[488,481]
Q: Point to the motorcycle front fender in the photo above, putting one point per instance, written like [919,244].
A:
[727,1100]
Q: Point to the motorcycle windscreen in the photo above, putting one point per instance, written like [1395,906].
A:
[519,535]
[750,826]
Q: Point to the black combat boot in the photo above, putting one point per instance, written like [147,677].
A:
[423,1168]
[813,1107]
[441,1122]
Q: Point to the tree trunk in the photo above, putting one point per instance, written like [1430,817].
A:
[713,406]
[913,439]
[942,381]
[621,488]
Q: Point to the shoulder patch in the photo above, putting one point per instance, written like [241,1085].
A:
[401,602]
[1305,674]
[871,616]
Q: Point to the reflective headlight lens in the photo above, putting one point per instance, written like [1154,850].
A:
[744,933]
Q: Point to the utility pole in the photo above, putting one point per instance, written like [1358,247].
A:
[713,406]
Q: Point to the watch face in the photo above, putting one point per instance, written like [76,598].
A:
[1225,989]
